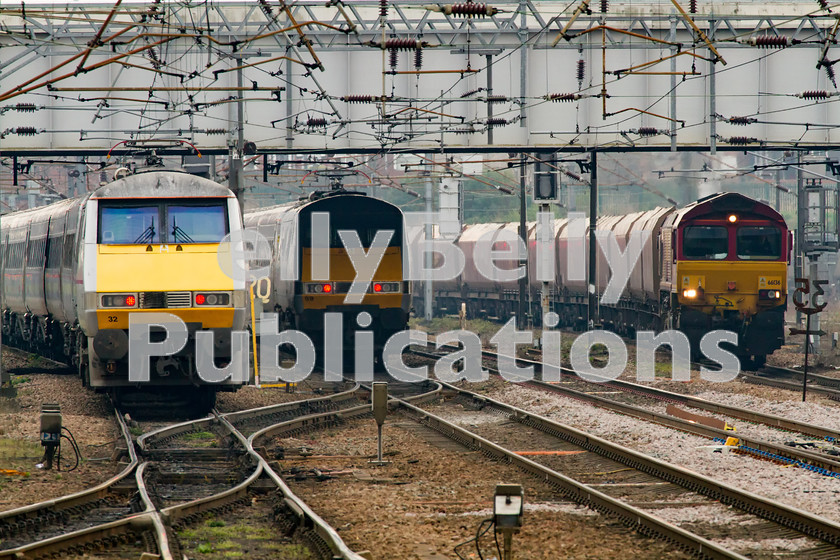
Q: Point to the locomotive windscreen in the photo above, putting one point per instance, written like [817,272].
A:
[705,242]
[363,215]
[184,221]
[759,243]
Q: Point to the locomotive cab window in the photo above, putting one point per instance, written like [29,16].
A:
[759,243]
[196,223]
[184,222]
[705,242]
[125,225]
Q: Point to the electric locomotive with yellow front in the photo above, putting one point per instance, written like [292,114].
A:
[75,271]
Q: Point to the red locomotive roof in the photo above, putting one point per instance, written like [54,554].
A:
[725,203]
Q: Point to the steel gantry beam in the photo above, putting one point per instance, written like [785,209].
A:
[647,73]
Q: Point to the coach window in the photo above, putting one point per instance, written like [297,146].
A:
[125,225]
[705,242]
[759,243]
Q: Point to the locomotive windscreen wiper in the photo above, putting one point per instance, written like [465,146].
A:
[148,236]
[176,231]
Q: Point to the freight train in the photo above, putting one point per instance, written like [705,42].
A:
[718,263]
[301,296]
[74,270]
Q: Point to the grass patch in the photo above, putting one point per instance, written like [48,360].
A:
[201,439]
[34,360]
[19,449]
[662,369]
[217,531]
[204,548]
[484,329]
[188,533]
[20,380]
[199,436]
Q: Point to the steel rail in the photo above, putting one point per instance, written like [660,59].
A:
[788,516]
[818,379]
[578,492]
[815,459]
[307,516]
[808,457]
[72,500]
[145,441]
[149,518]
[827,392]
[771,420]
[703,404]
[111,532]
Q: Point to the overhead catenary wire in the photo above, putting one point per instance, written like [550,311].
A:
[466,129]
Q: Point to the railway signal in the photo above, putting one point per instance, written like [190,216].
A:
[546,183]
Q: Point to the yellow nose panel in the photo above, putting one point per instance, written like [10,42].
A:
[134,269]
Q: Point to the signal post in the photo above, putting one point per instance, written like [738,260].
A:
[546,192]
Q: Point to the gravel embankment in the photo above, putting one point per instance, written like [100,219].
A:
[790,485]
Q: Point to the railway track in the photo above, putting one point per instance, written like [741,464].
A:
[628,484]
[575,387]
[116,516]
[791,379]
[177,475]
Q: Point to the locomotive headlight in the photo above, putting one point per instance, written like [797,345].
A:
[769,294]
[690,293]
[732,218]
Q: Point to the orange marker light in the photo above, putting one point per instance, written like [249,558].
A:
[130,300]
[327,288]
[377,287]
